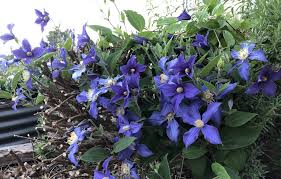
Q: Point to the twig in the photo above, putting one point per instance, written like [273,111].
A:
[18,160]
[59,105]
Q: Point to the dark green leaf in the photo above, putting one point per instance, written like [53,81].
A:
[209,85]
[232,173]
[193,152]
[166,21]
[198,166]
[228,37]
[135,19]
[122,144]
[68,44]
[95,154]
[207,69]
[164,169]
[239,137]
[239,118]
[220,171]
[103,30]
[44,58]
[39,99]
[236,159]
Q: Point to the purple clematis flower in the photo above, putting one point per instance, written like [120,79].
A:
[48,48]
[77,70]
[4,64]
[193,117]
[129,170]
[59,65]
[132,68]
[76,136]
[178,91]
[243,55]
[17,98]
[42,18]
[83,38]
[167,114]
[91,96]
[108,82]
[90,58]
[121,91]
[105,174]
[140,40]
[184,68]
[8,36]
[265,83]
[129,128]
[184,16]
[25,52]
[201,41]
[26,75]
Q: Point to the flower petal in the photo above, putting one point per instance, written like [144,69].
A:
[19,53]
[144,151]
[190,90]
[243,70]
[258,55]
[93,110]
[190,136]
[253,89]
[37,52]
[173,130]
[26,45]
[211,134]
[269,88]
[212,108]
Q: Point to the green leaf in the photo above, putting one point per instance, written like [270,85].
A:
[164,169]
[68,44]
[95,154]
[15,80]
[207,69]
[232,173]
[209,85]
[228,37]
[223,87]
[166,21]
[201,59]
[167,47]
[220,171]
[103,30]
[218,10]
[239,137]
[239,118]
[135,19]
[5,95]
[193,152]
[44,58]
[198,166]
[39,99]
[122,144]
[236,159]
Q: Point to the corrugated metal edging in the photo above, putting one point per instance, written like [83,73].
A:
[17,123]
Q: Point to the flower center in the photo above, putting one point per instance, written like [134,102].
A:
[29,54]
[46,18]
[132,70]
[163,78]
[263,78]
[26,75]
[73,137]
[15,98]
[120,111]
[179,89]
[208,96]
[125,169]
[170,116]
[125,93]
[187,70]
[126,128]
[91,96]
[110,82]
[199,123]
[243,54]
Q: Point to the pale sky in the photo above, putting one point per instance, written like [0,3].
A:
[70,14]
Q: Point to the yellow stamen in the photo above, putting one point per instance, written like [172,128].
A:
[199,123]
[170,116]
[243,54]
[73,137]
[163,78]
[29,54]
[179,89]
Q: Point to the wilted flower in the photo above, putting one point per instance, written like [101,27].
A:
[184,68]
[243,55]
[265,83]
[83,38]
[194,118]
[8,36]
[25,52]
[167,114]
[76,136]
[42,18]
[128,170]
[184,16]
[201,40]
[17,98]
[91,96]
[105,174]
